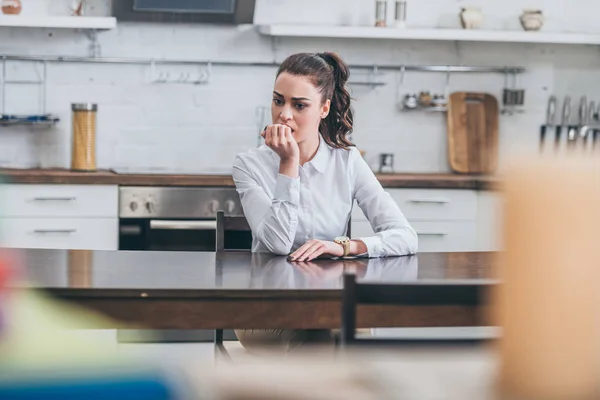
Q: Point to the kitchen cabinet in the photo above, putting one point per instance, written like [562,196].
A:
[59,216]
[444,219]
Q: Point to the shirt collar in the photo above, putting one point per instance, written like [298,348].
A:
[319,161]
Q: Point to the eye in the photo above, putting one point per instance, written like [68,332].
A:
[277,101]
[300,106]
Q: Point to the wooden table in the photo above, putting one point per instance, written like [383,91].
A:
[185,290]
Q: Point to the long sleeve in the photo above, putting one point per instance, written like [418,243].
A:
[393,234]
[273,220]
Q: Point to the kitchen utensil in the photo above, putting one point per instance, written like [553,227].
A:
[596,132]
[386,162]
[550,118]
[84,137]
[473,132]
[566,113]
[574,129]
[588,120]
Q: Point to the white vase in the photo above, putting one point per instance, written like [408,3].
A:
[471,17]
[532,20]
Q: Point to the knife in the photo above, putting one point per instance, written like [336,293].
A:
[574,129]
[596,132]
[566,113]
[550,115]
[590,117]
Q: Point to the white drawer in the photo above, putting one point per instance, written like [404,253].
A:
[60,233]
[434,236]
[431,204]
[59,201]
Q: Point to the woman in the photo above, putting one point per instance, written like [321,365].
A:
[297,190]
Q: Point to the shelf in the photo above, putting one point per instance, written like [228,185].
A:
[45,120]
[42,21]
[365,32]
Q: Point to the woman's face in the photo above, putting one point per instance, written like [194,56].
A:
[297,104]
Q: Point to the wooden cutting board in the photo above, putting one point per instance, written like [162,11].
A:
[473,132]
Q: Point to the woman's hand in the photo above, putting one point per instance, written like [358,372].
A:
[315,248]
[280,139]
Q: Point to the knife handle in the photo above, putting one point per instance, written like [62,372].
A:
[557,137]
[542,137]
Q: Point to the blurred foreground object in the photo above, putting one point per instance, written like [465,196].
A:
[547,304]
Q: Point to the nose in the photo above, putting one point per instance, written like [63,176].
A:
[286,114]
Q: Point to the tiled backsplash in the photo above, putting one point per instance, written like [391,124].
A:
[187,127]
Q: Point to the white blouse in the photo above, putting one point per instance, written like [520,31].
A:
[284,213]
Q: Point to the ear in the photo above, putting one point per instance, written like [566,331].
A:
[325,108]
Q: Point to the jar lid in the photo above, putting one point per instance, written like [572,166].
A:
[84,107]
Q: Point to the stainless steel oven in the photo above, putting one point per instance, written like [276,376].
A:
[176,218]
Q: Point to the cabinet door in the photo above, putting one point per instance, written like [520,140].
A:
[489,221]
[21,200]
[60,233]
[431,204]
[438,236]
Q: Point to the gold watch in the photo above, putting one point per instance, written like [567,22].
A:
[344,241]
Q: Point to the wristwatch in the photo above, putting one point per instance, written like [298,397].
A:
[344,241]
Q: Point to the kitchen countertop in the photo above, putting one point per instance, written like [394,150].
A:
[202,290]
[107,177]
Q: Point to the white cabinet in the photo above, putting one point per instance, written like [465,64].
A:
[444,219]
[59,216]
[489,221]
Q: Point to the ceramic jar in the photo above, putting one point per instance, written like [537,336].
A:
[532,20]
[471,17]
[12,7]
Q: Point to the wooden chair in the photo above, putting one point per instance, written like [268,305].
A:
[231,232]
[406,294]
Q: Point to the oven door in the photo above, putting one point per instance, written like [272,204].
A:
[167,234]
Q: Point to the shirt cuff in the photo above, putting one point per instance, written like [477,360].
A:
[374,245]
[287,189]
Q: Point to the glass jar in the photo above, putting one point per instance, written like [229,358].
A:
[84,137]
[380,12]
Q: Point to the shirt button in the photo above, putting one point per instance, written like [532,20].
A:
[307,237]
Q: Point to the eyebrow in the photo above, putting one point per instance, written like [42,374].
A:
[293,98]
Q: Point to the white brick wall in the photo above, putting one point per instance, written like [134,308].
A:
[200,128]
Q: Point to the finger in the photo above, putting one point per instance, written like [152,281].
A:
[315,253]
[301,250]
[311,250]
[281,135]
[269,136]
[275,136]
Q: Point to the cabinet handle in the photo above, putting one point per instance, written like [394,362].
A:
[432,200]
[432,233]
[184,225]
[42,231]
[54,198]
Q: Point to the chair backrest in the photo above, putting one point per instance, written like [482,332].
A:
[406,294]
[238,228]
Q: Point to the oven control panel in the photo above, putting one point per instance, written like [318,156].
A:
[177,202]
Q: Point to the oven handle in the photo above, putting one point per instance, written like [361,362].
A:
[179,225]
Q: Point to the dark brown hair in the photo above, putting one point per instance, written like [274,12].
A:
[329,73]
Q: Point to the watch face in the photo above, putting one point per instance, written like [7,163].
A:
[341,239]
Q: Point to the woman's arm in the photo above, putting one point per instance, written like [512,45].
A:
[273,220]
[393,234]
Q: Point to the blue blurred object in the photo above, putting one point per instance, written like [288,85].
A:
[44,119]
[148,385]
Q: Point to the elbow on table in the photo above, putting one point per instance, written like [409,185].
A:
[277,247]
